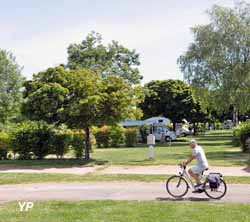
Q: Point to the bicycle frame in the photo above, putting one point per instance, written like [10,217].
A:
[186,177]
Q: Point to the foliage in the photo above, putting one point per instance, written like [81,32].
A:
[113,59]
[80,99]
[218,125]
[102,136]
[241,135]
[33,139]
[78,142]
[170,98]
[61,142]
[144,131]
[109,136]
[117,136]
[11,82]
[217,63]
[130,137]
[4,144]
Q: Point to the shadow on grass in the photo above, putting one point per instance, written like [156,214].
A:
[49,163]
[183,199]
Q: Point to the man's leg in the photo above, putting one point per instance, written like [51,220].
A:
[195,176]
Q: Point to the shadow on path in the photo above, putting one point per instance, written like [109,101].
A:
[196,199]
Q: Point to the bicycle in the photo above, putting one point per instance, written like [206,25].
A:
[177,186]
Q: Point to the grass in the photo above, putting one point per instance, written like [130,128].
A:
[124,211]
[22,178]
[217,144]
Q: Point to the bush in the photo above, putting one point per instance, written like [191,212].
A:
[78,143]
[61,142]
[4,145]
[202,127]
[130,137]
[218,125]
[33,139]
[144,131]
[116,136]
[108,136]
[102,136]
[241,135]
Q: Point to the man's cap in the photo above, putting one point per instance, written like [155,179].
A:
[192,141]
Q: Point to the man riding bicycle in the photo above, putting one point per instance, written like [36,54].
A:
[202,164]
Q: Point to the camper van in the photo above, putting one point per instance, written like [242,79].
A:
[157,125]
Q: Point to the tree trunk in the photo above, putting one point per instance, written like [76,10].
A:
[235,116]
[174,126]
[87,143]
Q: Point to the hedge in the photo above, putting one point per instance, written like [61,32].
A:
[241,136]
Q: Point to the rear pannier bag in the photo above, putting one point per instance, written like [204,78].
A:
[214,180]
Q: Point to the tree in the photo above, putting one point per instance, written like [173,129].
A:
[80,98]
[113,59]
[11,82]
[217,63]
[169,98]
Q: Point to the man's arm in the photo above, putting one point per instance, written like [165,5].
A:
[189,160]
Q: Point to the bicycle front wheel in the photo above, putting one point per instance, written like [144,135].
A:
[217,193]
[177,186]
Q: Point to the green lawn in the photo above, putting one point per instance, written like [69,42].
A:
[124,211]
[22,178]
[217,144]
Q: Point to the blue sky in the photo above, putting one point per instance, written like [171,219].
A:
[39,32]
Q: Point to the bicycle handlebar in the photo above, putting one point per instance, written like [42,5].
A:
[182,166]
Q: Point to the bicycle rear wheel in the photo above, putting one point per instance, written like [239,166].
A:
[217,193]
[177,186]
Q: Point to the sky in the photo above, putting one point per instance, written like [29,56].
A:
[39,32]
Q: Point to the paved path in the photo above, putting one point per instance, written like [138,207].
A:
[109,191]
[156,169]
[169,169]
[81,170]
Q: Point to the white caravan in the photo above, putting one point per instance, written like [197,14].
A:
[158,126]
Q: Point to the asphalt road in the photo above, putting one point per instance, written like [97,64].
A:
[110,191]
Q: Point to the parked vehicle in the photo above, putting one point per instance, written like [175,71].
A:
[157,126]
[185,131]
[162,133]
[228,124]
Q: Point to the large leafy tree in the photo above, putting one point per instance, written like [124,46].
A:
[170,98]
[80,98]
[11,82]
[217,63]
[113,59]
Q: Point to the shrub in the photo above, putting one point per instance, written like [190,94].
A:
[33,139]
[4,145]
[108,136]
[218,125]
[78,142]
[241,134]
[144,131]
[202,127]
[236,136]
[130,137]
[61,142]
[116,136]
[102,136]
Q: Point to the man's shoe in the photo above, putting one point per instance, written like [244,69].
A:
[198,188]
